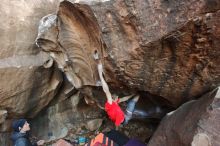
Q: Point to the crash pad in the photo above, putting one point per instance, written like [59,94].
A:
[101,140]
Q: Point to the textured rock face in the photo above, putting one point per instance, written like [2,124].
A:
[168,49]
[67,118]
[71,39]
[4,140]
[26,85]
[194,123]
[161,46]
[3,115]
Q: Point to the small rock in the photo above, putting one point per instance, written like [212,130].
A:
[62,142]
[94,124]
[202,126]
[126,133]
[208,15]
[201,139]
[3,115]
[201,40]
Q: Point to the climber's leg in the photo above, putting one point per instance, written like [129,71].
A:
[130,108]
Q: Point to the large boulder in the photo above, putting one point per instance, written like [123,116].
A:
[168,49]
[68,118]
[28,84]
[71,37]
[195,123]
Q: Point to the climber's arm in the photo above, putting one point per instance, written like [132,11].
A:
[104,84]
[123,99]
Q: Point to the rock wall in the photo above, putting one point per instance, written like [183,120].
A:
[167,48]
[195,123]
[67,118]
[173,55]
[27,86]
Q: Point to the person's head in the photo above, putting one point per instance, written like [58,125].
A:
[21,125]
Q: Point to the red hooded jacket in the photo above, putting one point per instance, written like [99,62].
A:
[114,112]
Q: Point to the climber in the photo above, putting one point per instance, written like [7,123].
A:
[20,135]
[111,107]
[114,111]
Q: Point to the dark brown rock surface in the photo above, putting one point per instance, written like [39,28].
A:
[194,123]
[168,48]
[27,86]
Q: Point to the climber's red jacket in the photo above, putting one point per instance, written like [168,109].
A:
[114,112]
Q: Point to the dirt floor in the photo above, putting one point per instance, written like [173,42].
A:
[141,130]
